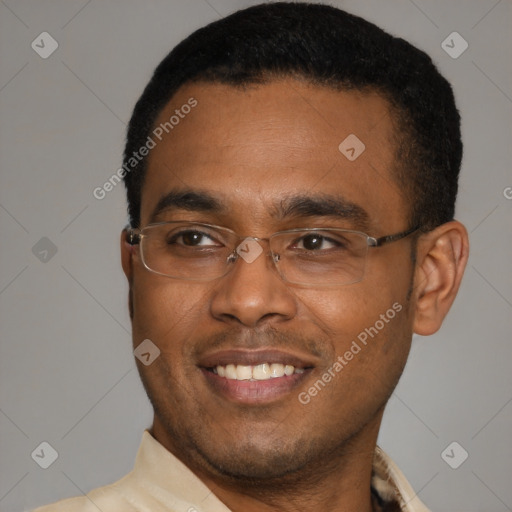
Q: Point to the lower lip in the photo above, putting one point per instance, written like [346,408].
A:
[254,392]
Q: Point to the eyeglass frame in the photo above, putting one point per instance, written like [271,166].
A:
[134,238]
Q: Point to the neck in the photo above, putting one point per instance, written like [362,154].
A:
[339,483]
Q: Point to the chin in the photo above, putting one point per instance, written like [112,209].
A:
[269,458]
[256,464]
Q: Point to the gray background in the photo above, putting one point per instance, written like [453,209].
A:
[67,374]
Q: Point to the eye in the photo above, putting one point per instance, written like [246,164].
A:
[315,242]
[190,238]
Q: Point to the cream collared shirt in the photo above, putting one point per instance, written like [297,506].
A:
[159,482]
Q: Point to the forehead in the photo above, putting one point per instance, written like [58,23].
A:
[251,146]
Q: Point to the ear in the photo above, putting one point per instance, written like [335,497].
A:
[127,251]
[442,255]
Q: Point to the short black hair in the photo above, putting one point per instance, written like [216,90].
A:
[327,47]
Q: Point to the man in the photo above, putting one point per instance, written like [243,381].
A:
[291,173]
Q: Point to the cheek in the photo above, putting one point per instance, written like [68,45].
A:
[367,326]
[165,308]
[345,312]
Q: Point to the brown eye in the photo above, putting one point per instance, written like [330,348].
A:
[315,242]
[190,238]
[312,242]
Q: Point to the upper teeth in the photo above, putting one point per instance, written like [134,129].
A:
[263,371]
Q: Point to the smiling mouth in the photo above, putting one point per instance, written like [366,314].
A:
[259,384]
[253,373]
[255,376]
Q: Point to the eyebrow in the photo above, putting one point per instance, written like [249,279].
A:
[322,205]
[190,200]
[290,206]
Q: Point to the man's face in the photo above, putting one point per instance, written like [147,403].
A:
[251,150]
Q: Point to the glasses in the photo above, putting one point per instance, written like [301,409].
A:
[309,257]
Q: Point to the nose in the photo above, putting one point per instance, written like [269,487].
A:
[252,293]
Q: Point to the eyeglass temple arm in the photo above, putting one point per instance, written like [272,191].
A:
[377,242]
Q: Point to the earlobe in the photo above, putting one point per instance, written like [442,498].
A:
[441,259]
